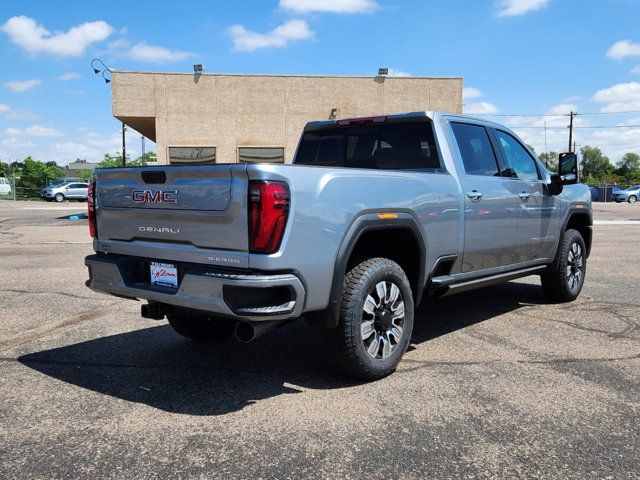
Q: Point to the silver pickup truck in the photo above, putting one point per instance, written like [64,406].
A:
[373,214]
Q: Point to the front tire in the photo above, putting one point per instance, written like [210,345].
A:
[199,326]
[59,197]
[564,283]
[633,199]
[376,320]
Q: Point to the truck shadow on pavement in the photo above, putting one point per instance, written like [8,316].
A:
[157,367]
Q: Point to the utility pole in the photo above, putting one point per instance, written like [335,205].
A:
[571,115]
[545,138]
[142,138]
[124,146]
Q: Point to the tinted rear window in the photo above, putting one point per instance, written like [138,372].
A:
[398,146]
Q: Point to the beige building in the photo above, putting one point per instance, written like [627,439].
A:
[231,118]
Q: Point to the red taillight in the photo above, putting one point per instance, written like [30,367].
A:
[347,122]
[91,209]
[268,213]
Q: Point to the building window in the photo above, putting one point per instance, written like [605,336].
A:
[192,155]
[260,155]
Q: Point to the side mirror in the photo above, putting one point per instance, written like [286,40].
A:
[568,168]
[556,185]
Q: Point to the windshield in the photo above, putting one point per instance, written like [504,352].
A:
[407,145]
[635,187]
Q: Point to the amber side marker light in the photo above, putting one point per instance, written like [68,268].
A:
[387,216]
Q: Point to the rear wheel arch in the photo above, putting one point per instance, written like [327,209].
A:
[400,239]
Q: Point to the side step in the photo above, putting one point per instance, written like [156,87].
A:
[447,285]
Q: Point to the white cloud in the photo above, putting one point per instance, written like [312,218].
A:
[22,85]
[562,109]
[32,131]
[469,93]
[398,73]
[21,114]
[619,97]
[156,54]
[17,142]
[69,76]
[40,131]
[34,38]
[4,107]
[636,69]
[247,41]
[12,132]
[513,8]
[329,6]
[624,48]
[480,108]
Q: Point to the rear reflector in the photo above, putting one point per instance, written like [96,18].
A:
[91,209]
[268,213]
[347,122]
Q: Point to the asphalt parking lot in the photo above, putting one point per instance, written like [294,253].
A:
[497,382]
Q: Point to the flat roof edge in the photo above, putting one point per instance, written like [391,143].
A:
[139,72]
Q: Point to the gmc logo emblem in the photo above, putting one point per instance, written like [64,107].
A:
[155,196]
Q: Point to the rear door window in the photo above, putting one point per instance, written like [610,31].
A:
[394,146]
[475,148]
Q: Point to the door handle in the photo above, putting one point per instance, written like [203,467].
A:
[524,195]
[474,195]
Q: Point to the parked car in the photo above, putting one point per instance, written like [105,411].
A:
[373,214]
[631,195]
[5,186]
[66,191]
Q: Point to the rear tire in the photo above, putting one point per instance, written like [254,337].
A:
[200,326]
[564,283]
[376,320]
[633,199]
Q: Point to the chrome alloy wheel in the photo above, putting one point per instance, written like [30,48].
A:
[575,263]
[382,320]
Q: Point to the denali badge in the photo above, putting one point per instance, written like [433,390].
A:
[155,196]
[175,231]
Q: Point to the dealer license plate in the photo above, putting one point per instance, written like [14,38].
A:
[164,274]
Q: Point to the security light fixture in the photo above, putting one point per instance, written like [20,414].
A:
[383,72]
[334,112]
[198,68]
[103,70]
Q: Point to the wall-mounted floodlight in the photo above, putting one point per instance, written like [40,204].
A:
[383,72]
[198,69]
[334,112]
[99,67]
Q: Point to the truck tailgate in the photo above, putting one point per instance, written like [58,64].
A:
[146,210]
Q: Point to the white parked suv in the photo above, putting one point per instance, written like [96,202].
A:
[5,186]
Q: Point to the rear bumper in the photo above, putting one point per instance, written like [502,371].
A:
[242,296]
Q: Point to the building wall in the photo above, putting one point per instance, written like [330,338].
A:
[230,111]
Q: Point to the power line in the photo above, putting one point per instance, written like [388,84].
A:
[516,127]
[549,114]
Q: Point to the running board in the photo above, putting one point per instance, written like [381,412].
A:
[448,282]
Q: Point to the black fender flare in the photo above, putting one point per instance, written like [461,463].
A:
[571,212]
[366,222]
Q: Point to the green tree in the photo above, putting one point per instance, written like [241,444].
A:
[550,160]
[111,161]
[594,164]
[33,177]
[629,166]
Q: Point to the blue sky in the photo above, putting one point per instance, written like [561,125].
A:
[538,57]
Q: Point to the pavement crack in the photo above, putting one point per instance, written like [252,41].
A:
[44,292]
[44,330]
